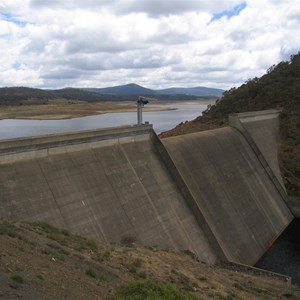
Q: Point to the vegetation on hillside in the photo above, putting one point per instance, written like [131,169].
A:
[25,95]
[39,261]
[150,290]
[16,95]
[279,89]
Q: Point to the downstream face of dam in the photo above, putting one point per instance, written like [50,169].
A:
[215,193]
[107,184]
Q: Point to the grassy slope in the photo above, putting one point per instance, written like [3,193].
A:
[280,89]
[41,262]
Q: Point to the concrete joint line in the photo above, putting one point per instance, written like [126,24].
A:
[188,196]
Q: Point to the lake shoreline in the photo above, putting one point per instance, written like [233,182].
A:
[162,118]
[63,111]
[68,111]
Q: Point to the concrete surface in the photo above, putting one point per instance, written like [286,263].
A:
[212,192]
[240,203]
[111,189]
[262,128]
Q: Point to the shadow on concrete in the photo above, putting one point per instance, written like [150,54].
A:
[284,256]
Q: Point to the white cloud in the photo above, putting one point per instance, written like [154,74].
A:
[20,77]
[151,42]
[151,7]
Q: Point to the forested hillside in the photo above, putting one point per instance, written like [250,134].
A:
[25,95]
[279,88]
[15,95]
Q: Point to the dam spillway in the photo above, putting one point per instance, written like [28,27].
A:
[209,192]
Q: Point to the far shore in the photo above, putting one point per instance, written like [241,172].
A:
[56,111]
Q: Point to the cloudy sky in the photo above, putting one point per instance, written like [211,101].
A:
[154,43]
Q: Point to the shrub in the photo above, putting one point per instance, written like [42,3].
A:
[150,290]
[135,265]
[17,278]
[39,276]
[189,253]
[8,229]
[186,283]
[91,273]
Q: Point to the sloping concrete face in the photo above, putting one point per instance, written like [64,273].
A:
[263,128]
[236,196]
[110,185]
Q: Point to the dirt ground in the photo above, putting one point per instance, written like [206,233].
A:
[38,261]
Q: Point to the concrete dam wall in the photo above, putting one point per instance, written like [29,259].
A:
[207,192]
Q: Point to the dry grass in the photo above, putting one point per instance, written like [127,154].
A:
[77,268]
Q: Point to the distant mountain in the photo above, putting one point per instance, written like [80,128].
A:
[128,92]
[195,91]
[25,95]
[82,95]
[134,89]
[19,94]
[127,89]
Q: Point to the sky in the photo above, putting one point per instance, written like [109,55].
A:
[153,43]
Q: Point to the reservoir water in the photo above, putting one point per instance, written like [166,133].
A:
[161,120]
